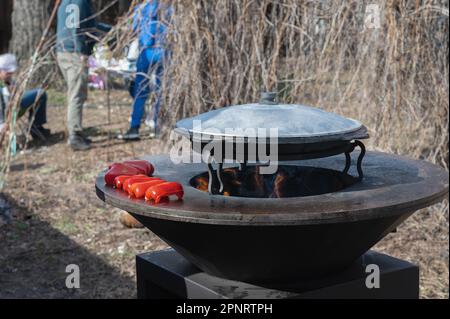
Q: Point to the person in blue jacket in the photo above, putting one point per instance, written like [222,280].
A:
[150,22]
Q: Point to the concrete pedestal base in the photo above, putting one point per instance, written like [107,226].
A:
[166,274]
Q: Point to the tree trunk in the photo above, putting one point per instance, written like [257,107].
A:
[29,19]
[5,25]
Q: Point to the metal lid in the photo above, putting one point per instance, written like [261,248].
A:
[291,120]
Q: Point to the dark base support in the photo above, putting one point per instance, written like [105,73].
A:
[166,274]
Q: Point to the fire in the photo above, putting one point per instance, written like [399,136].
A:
[288,181]
[202,184]
[247,183]
[279,182]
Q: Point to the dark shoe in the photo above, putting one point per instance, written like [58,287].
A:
[78,143]
[40,133]
[131,135]
[84,137]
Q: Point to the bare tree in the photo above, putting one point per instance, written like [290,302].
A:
[5,24]
[29,18]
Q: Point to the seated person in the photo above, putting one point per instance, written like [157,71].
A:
[33,101]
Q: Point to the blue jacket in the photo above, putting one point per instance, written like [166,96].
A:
[149,21]
[69,38]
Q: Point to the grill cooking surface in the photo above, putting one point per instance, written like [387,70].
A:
[392,184]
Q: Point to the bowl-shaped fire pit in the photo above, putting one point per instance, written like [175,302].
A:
[287,226]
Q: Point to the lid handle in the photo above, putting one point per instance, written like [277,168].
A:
[270,98]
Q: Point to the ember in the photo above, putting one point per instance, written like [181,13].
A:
[288,181]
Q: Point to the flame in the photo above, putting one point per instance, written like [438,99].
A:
[202,184]
[237,183]
[280,179]
[289,181]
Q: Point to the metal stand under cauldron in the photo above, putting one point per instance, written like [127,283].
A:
[166,275]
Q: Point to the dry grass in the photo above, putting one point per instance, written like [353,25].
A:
[394,78]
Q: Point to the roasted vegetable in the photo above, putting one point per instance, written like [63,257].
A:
[118,169]
[144,166]
[139,189]
[163,190]
[119,180]
[136,179]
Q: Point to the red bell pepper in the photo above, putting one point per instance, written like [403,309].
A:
[163,190]
[139,189]
[120,180]
[118,169]
[136,179]
[145,166]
